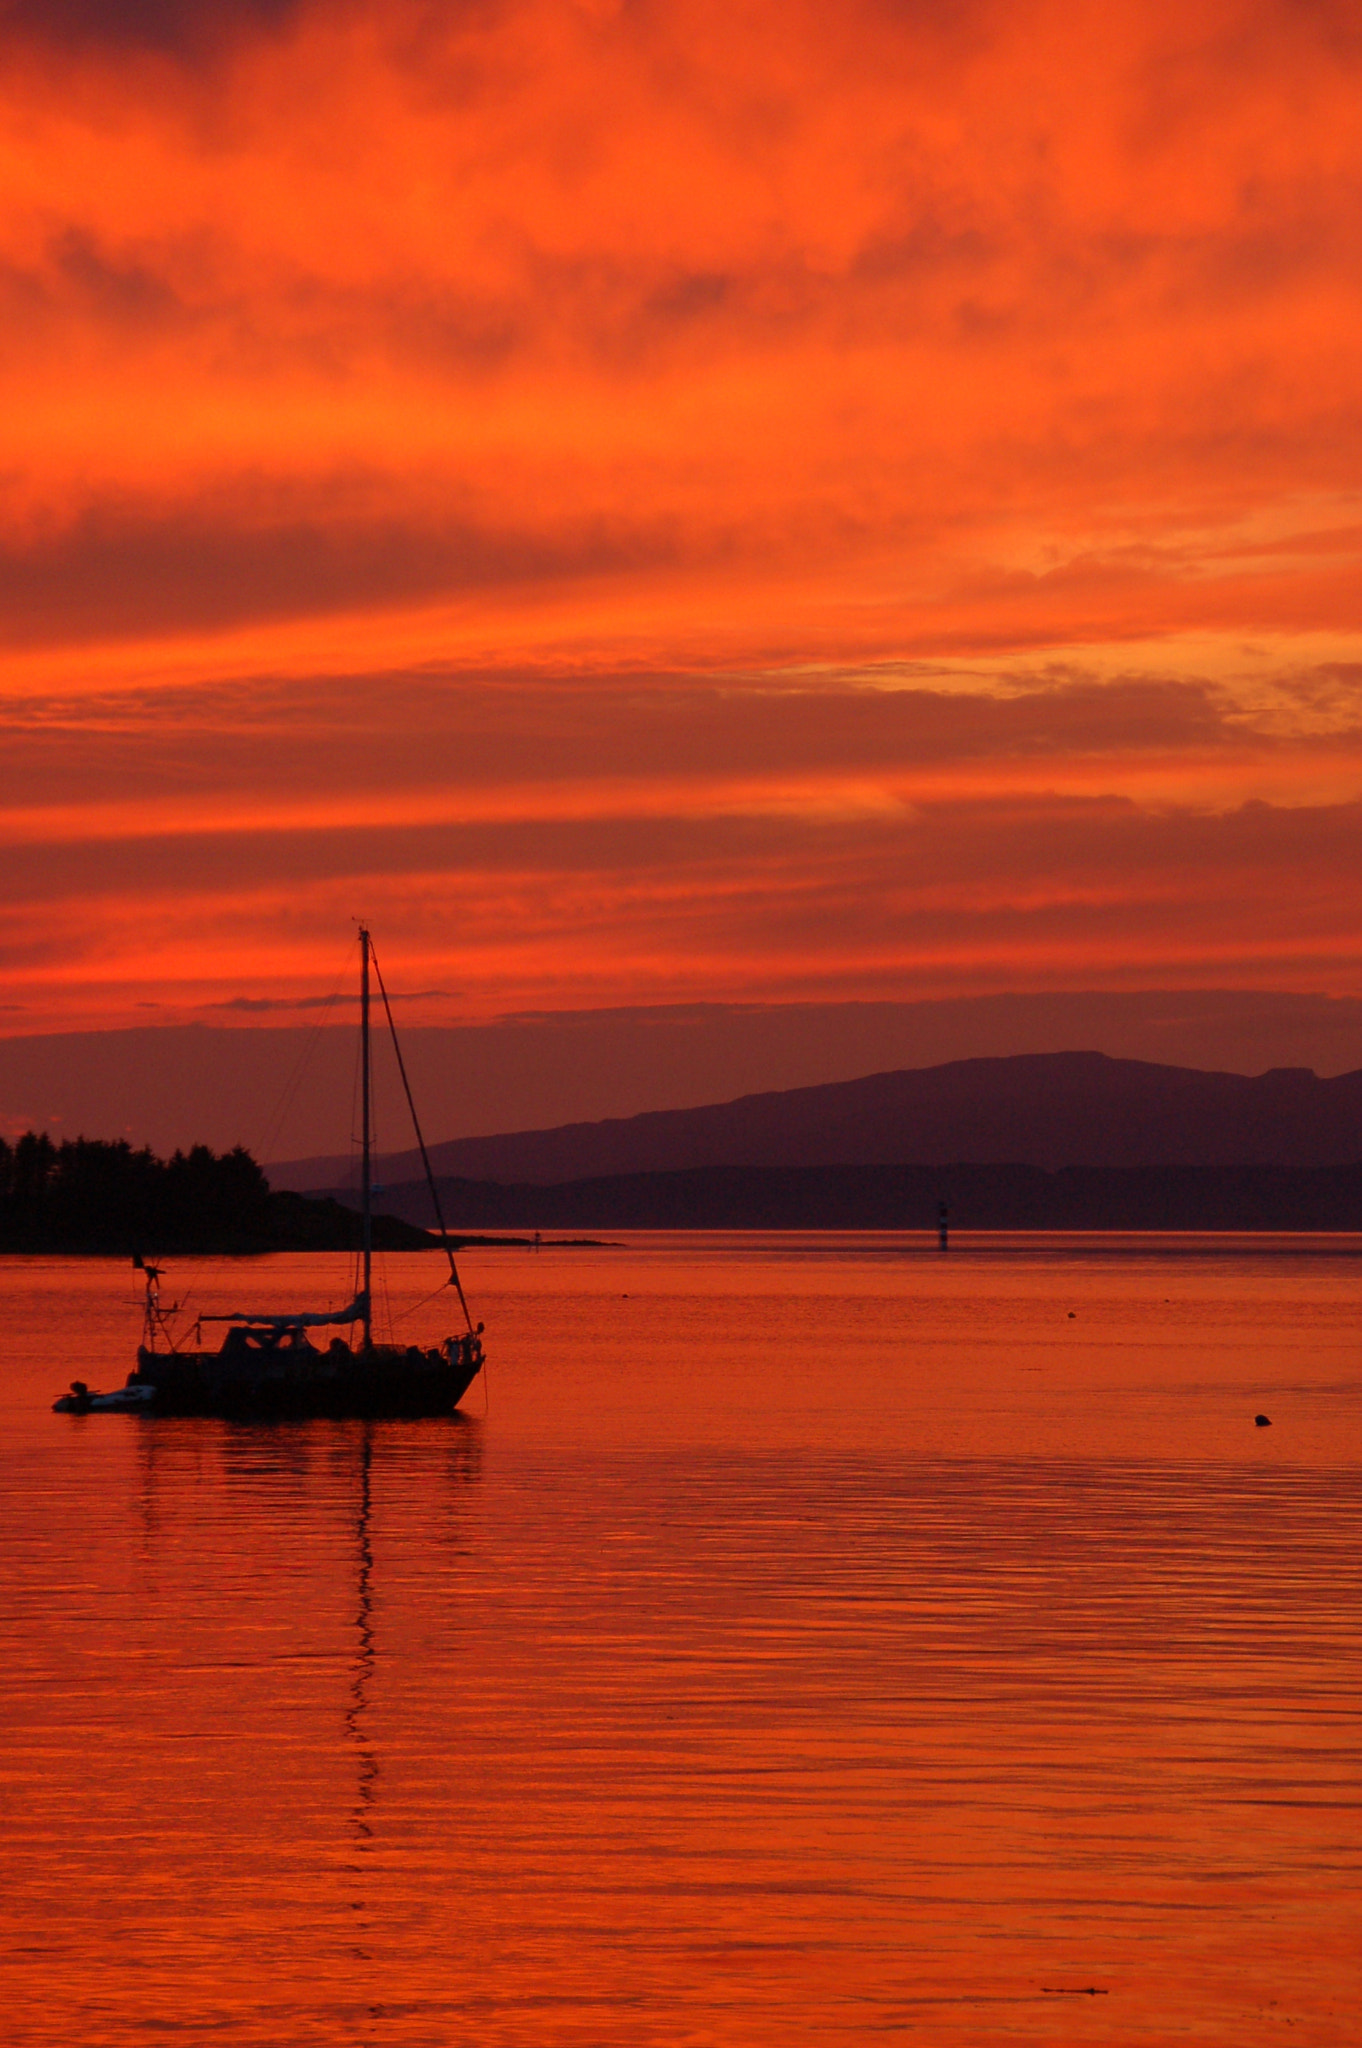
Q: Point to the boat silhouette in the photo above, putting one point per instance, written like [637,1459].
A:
[269,1363]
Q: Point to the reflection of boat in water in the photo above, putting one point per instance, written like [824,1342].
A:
[320,1563]
[269,1363]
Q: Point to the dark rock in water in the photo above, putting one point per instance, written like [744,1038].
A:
[1263,1421]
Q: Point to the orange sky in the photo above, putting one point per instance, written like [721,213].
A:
[657,501]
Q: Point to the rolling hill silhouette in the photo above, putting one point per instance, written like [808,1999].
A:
[1049,1110]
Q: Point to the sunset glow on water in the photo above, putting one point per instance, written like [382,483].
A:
[804,1641]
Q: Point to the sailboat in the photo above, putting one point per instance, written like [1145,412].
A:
[269,1363]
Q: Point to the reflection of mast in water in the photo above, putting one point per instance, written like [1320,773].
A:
[361,1677]
[310,1466]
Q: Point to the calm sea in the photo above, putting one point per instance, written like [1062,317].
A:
[816,1640]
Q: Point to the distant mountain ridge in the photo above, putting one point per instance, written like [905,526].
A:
[907,1198]
[1049,1110]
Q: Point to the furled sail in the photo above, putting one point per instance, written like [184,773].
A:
[302,1320]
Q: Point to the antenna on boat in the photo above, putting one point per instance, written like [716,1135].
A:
[365,1068]
[155,1319]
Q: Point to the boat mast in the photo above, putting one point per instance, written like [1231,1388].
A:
[367,1240]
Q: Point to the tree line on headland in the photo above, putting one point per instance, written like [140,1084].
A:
[92,1195]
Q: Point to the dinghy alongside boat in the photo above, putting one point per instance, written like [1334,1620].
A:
[83,1400]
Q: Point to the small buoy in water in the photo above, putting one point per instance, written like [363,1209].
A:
[1262,1421]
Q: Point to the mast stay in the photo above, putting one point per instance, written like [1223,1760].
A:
[369,954]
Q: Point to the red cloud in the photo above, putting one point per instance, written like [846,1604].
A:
[639,362]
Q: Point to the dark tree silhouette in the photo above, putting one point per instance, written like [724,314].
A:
[88,1195]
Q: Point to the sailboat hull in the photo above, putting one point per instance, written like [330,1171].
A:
[384,1380]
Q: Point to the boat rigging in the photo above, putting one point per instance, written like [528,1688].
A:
[267,1363]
